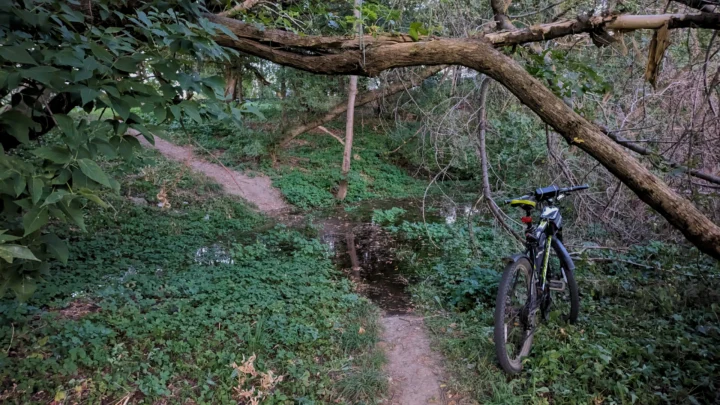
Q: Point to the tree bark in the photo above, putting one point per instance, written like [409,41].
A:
[350,121]
[482,155]
[279,44]
[361,99]
[347,153]
[502,22]
[481,55]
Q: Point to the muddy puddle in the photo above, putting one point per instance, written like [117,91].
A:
[362,249]
[366,252]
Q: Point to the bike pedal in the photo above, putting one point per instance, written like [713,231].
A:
[557,285]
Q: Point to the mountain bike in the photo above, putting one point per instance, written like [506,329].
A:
[538,281]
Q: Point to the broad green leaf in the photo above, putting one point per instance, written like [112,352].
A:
[126,147]
[36,189]
[90,195]
[56,246]
[87,95]
[42,74]
[74,212]
[55,196]
[93,171]
[160,113]
[24,287]
[121,108]
[66,124]
[56,154]
[7,238]
[126,64]
[68,58]
[18,124]
[16,54]
[104,147]
[19,184]
[62,178]
[10,252]
[145,132]
[82,74]
[191,110]
[101,53]
[35,219]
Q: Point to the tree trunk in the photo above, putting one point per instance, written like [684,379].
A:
[361,99]
[283,93]
[347,154]
[343,58]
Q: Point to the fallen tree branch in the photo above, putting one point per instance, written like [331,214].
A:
[346,56]
[327,131]
[647,152]
[613,260]
[327,47]
[482,156]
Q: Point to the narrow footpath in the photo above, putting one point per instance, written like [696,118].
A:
[415,372]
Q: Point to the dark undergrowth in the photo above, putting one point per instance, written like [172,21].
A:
[647,334]
[156,304]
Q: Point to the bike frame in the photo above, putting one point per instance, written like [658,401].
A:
[539,241]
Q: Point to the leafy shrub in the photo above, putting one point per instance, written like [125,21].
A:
[390,216]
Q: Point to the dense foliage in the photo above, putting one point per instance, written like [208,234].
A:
[201,299]
[114,62]
[159,303]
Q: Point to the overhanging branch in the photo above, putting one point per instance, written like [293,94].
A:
[345,56]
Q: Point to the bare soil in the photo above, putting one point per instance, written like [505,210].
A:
[415,371]
[256,190]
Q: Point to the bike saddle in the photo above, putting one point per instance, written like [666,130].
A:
[523,203]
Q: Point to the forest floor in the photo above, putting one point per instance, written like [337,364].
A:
[158,302]
[415,372]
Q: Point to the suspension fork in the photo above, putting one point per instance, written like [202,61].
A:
[546,260]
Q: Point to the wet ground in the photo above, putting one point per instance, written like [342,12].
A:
[366,252]
[361,248]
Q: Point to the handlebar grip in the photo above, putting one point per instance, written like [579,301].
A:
[577,188]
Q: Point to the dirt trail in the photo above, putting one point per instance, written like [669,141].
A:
[257,190]
[415,370]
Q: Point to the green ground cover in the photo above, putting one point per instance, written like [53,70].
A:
[157,304]
[647,334]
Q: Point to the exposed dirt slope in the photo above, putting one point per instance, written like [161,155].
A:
[257,190]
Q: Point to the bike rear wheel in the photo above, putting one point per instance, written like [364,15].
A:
[515,315]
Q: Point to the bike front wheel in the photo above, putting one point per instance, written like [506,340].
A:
[515,315]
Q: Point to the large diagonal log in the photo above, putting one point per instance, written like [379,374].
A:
[481,55]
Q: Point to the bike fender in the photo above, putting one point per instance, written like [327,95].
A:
[563,254]
[514,258]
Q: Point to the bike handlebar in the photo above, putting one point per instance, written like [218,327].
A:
[546,193]
[572,189]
